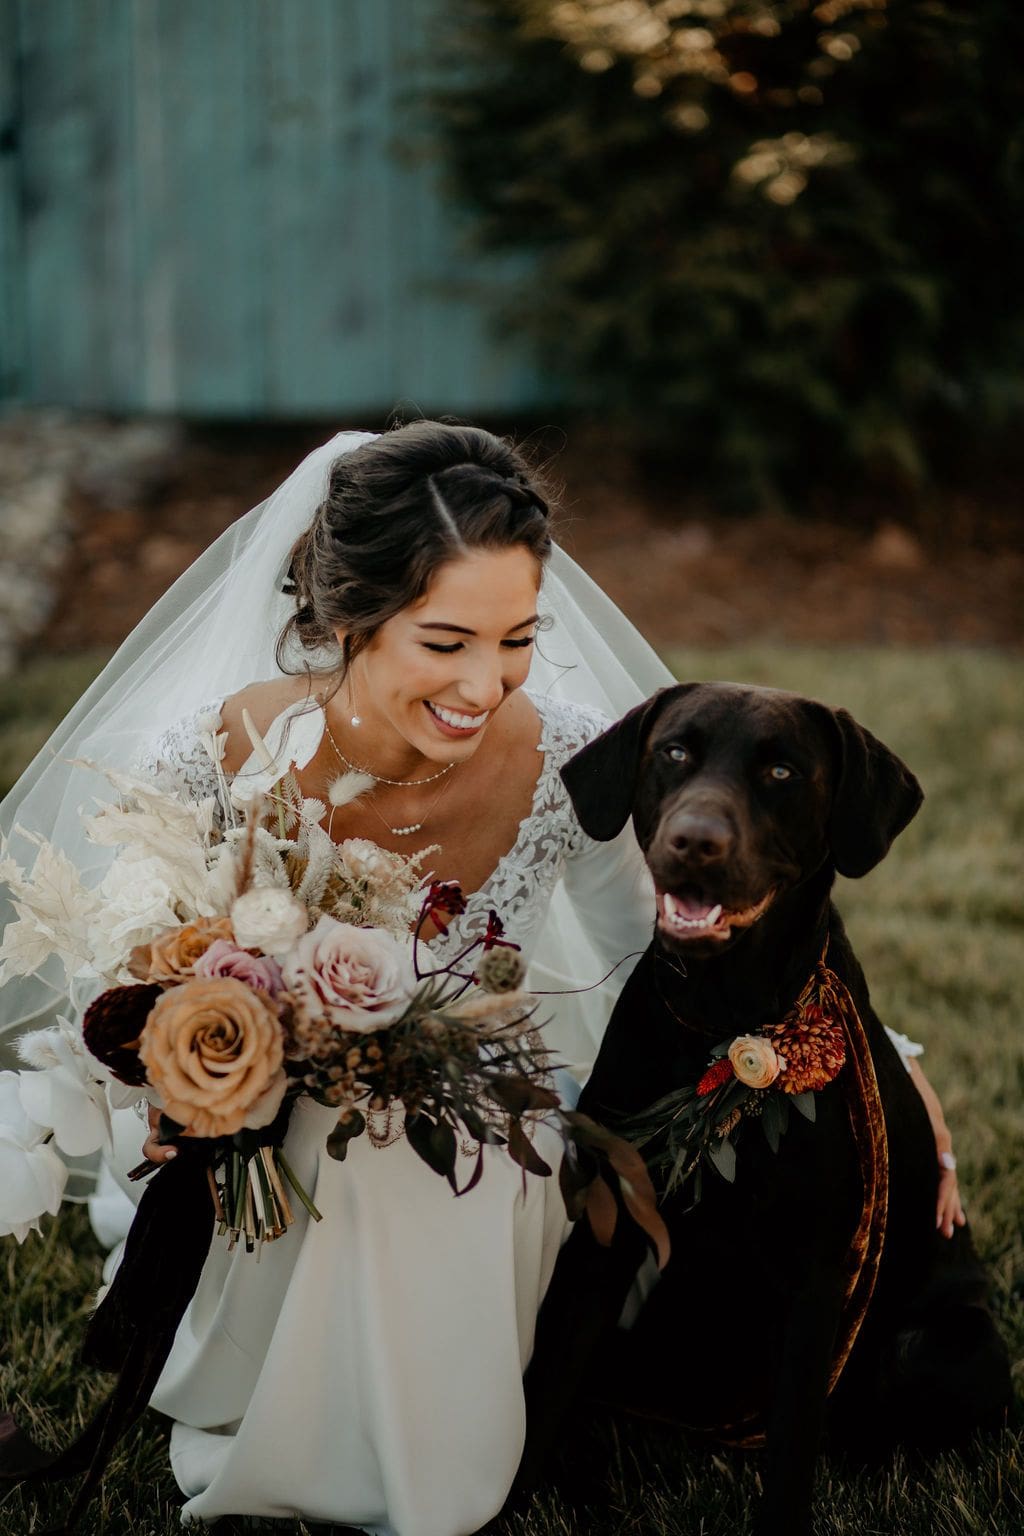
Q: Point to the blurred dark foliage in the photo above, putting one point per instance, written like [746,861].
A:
[779,244]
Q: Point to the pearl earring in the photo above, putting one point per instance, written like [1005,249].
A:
[355,719]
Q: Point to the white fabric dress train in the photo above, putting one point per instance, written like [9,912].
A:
[369,1369]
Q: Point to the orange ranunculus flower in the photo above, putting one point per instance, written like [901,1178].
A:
[215,1049]
[172,955]
[754,1061]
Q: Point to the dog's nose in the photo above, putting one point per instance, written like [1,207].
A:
[700,838]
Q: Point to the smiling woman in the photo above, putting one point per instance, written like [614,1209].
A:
[418,569]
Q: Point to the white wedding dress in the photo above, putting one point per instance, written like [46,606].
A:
[369,1369]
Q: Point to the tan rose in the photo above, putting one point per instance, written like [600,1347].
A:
[754,1061]
[214,1049]
[171,955]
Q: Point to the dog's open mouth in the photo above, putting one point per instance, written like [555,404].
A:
[690,914]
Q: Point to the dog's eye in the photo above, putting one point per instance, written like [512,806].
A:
[679,754]
[779,772]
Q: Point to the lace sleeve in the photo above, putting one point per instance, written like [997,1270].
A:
[178,757]
[608,884]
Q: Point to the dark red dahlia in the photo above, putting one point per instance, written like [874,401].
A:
[112,1026]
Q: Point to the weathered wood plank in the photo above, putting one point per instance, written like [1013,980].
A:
[12,262]
[78,218]
[222,214]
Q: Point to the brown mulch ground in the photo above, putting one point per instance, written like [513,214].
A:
[684,574]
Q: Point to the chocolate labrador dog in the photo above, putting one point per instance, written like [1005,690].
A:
[807,1284]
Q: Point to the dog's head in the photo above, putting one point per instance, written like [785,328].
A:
[737,795]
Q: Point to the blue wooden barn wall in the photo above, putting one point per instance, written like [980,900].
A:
[224,206]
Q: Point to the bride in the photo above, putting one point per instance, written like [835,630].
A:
[411,619]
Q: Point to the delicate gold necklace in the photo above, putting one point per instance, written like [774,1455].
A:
[414,826]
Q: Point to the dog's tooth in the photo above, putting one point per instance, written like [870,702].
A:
[714,915]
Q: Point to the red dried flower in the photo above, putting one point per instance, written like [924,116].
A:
[493,937]
[445,899]
[715,1076]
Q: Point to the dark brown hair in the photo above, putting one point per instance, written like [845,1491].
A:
[396,510]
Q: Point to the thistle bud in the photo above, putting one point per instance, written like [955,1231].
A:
[501,970]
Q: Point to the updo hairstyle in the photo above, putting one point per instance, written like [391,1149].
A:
[396,510]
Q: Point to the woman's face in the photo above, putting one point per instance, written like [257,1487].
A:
[435,674]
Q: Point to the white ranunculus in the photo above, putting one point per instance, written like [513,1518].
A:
[359,978]
[32,1181]
[14,1123]
[66,1096]
[138,903]
[268,919]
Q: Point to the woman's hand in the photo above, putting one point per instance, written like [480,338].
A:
[154,1150]
[949,1211]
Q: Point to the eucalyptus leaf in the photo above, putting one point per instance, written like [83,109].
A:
[804,1102]
[734,1094]
[771,1120]
[723,1155]
[347,1129]
[445,1147]
[523,1152]
[419,1131]
[602,1212]
[573,1182]
[475,1176]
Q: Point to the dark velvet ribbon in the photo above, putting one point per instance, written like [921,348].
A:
[131,1331]
[867,1124]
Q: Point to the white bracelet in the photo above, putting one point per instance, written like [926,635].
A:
[948,1161]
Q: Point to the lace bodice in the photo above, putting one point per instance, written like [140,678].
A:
[550,843]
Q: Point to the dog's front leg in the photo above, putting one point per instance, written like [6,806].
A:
[797,1413]
[579,1314]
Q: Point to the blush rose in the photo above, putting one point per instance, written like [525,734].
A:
[358,978]
[223,958]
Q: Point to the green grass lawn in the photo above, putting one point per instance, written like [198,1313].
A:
[939,929]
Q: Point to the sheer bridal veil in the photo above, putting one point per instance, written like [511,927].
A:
[214,632]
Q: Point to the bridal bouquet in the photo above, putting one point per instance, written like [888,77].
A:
[244,959]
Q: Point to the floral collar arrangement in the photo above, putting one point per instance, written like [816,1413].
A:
[753,1077]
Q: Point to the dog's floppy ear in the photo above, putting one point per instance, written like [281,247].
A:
[875,797]
[601,778]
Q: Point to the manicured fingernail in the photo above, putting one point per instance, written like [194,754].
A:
[169,1153]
